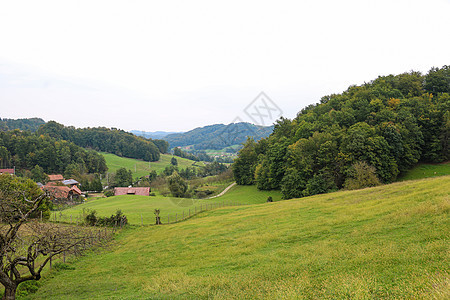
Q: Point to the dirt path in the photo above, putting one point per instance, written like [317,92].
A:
[224,191]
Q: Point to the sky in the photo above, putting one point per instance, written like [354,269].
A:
[177,65]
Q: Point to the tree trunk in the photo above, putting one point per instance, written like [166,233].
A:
[10,293]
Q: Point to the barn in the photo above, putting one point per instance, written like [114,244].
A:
[141,191]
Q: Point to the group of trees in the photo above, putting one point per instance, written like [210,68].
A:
[109,140]
[196,156]
[26,150]
[381,128]
[31,124]
[209,169]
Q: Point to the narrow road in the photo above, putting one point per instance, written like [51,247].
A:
[224,191]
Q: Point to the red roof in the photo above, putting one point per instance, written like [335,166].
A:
[55,177]
[9,171]
[141,191]
[76,190]
[57,191]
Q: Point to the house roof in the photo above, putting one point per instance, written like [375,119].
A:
[55,177]
[57,191]
[76,190]
[4,171]
[70,181]
[142,191]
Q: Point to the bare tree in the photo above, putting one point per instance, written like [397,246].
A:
[27,245]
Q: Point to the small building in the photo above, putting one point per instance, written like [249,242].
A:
[8,171]
[55,177]
[140,191]
[62,192]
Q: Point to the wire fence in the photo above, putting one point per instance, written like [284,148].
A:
[178,217]
[170,218]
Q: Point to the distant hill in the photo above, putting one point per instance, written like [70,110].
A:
[153,135]
[218,136]
[31,124]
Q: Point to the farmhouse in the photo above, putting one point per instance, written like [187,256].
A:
[141,191]
[63,192]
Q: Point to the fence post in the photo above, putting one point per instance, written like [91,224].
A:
[141,220]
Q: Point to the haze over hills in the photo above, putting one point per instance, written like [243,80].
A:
[218,136]
[153,134]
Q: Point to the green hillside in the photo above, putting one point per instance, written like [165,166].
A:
[386,242]
[115,162]
[136,206]
[426,171]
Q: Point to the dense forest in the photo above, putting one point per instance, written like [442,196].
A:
[111,140]
[218,136]
[31,124]
[26,150]
[379,129]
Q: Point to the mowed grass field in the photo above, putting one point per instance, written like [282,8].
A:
[387,242]
[141,168]
[135,207]
[426,171]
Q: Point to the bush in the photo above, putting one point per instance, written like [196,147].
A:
[27,287]
[109,193]
[361,175]
[119,219]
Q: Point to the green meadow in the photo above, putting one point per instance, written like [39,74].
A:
[387,242]
[141,168]
[137,207]
[426,171]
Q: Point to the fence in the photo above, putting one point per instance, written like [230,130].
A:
[171,218]
[178,217]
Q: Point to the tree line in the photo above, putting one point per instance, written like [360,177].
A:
[31,124]
[42,153]
[110,140]
[380,128]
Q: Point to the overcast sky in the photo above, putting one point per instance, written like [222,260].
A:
[177,65]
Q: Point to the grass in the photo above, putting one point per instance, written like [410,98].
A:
[136,206]
[386,242]
[141,168]
[427,171]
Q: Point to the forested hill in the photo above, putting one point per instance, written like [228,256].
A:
[109,140]
[218,136]
[31,124]
[366,135]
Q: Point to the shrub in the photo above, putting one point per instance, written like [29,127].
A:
[119,219]
[361,175]
[109,193]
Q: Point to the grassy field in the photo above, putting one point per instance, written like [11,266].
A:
[141,168]
[387,242]
[136,206]
[427,171]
